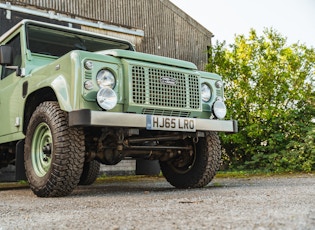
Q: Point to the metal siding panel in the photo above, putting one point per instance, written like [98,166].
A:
[168,30]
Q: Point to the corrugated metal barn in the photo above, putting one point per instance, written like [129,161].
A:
[153,26]
[159,26]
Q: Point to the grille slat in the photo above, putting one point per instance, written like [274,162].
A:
[164,88]
[166,112]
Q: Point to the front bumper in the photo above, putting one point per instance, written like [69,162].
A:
[87,117]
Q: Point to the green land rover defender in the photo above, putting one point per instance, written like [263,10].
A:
[72,99]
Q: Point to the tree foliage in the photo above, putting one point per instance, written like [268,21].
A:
[270,90]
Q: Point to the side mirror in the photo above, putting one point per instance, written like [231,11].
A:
[6,55]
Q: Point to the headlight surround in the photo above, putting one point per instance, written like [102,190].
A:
[106,78]
[106,98]
[205,92]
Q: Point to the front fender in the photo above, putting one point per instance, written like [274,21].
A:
[62,91]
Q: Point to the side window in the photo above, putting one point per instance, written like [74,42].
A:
[16,45]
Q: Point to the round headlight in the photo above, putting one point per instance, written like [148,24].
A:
[205,92]
[219,109]
[106,98]
[105,78]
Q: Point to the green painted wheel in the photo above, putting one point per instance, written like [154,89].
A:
[53,152]
[41,150]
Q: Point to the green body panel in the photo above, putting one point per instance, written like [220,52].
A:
[10,96]
[150,58]
[10,109]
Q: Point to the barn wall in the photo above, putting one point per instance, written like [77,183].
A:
[168,31]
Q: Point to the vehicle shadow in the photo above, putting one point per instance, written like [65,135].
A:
[156,185]
[123,187]
[112,187]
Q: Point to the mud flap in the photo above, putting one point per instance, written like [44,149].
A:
[19,161]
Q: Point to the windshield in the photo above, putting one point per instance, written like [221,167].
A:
[57,42]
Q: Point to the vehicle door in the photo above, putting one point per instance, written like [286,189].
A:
[10,93]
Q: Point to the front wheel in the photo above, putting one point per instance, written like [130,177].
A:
[54,152]
[197,169]
[90,172]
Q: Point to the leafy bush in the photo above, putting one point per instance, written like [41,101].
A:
[270,90]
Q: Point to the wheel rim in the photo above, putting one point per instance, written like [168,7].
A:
[41,149]
[183,164]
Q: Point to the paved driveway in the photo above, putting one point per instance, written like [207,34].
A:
[279,202]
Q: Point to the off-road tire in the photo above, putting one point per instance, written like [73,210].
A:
[204,164]
[56,172]
[90,172]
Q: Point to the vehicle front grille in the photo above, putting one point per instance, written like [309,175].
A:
[165,88]
[162,112]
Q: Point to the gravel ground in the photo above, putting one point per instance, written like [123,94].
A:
[278,202]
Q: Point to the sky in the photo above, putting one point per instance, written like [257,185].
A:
[293,19]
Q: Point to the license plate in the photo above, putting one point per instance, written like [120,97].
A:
[171,123]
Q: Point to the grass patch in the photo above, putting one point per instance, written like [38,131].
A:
[105,178]
[256,173]
[13,185]
[217,185]
[220,174]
